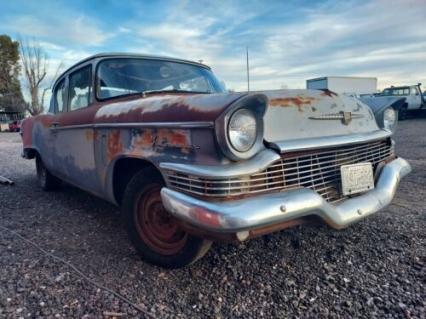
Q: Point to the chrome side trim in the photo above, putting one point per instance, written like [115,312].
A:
[254,165]
[269,209]
[328,141]
[139,125]
[72,127]
[157,124]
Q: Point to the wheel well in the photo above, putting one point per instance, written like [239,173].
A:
[124,170]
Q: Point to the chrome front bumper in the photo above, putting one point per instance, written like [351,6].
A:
[250,213]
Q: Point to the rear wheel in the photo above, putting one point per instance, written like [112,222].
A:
[155,233]
[46,180]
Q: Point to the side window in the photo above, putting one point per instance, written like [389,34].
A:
[60,97]
[80,88]
[413,90]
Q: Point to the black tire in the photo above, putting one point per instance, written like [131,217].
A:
[46,180]
[403,113]
[157,235]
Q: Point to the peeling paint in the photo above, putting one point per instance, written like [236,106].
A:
[91,135]
[326,92]
[298,101]
[114,145]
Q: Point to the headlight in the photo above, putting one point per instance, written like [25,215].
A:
[389,119]
[242,130]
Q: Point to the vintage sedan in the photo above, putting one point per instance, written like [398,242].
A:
[190,163]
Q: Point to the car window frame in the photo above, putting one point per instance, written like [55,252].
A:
[55,102]
[91,88]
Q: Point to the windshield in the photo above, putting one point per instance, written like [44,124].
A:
[396,91]
[124,76]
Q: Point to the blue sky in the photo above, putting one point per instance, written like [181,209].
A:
[289,41]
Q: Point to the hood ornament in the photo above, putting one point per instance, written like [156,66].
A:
[345,117]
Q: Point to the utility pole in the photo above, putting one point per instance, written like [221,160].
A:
[248,72]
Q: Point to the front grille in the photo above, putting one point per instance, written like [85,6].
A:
[315,169]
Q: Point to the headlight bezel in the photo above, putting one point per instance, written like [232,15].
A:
[390,114]
[254,103]
[380,119]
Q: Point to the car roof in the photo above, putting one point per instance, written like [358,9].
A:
[130,55]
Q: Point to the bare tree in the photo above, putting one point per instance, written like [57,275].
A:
[55,76]
[35,64]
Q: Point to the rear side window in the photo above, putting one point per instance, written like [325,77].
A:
[60,96]
[80,88]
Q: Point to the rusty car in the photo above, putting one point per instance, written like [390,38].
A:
[190,163]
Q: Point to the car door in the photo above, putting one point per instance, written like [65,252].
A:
[57,107]
[75,134]
[415,100]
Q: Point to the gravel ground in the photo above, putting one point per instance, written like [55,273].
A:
[375,268]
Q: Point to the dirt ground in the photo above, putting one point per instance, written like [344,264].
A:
[374,269]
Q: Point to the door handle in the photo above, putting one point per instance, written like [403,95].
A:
[54,127]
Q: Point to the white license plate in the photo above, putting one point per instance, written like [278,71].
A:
[357,178]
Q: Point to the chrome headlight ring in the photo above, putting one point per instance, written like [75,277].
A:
[242,130]
[390,118]
[239,131]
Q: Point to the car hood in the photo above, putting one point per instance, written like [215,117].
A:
[298,114]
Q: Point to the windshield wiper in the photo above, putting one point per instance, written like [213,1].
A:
[144,93]
[173,91]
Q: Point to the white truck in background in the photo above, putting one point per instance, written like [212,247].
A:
[349,85]
[414,100]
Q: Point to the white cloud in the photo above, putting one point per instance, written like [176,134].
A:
[69,30]
[287,44]
[329,39]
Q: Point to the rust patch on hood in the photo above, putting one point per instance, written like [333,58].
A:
[298,101]
[115,146]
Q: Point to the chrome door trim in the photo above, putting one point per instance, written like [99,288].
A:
[140,125]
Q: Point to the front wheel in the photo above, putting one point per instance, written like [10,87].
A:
[155,233]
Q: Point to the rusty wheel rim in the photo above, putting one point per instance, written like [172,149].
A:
[157,227]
